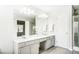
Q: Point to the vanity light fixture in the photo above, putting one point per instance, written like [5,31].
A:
[43,16]
[27,11]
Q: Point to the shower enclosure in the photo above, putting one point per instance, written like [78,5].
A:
[76,33]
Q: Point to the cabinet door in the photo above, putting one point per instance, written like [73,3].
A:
[48,43]
[25,50]
[52,38]
[35,48]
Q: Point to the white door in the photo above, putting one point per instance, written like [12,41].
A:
[76,33]
[62,32]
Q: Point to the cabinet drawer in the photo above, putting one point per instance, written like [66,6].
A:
[37,41]
[25,50]
[52,37]
[29,42]
[35,48]
[22,44]
[43,39]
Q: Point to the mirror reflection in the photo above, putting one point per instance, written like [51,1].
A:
[28,20]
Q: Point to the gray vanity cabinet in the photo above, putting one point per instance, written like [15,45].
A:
[31,47]
[52,40]
[35,48]
[49,42]
[25,50]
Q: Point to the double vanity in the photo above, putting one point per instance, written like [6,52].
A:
[32,33]
[33,44]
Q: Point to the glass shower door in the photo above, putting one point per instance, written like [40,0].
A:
[76,32]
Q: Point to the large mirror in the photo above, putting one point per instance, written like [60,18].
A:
[30,21]
[26,27]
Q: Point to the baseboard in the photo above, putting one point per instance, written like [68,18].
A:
[69,49]
[65,48]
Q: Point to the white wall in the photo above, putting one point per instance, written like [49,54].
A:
[61,16]
[7,29]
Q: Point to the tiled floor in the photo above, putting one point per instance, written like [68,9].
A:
[58,50]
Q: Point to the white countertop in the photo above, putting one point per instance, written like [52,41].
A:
[31,37]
